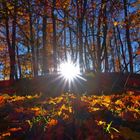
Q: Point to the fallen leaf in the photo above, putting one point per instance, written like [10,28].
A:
[15,129]
[6,134]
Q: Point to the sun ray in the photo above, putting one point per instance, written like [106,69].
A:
[70,72]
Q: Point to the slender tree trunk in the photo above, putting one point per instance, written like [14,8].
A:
[105,28]
[112,57]
[80,45]
[54,36]
[99,43]
[18,62]
[122,49]
[118,51]
[127,33]
[65,36]
[71,44]
[86,47]
[14,67]
[80,40]
[93,48]
[45,52]
[37,45]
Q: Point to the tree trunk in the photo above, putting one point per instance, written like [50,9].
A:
[65,36]
[14,67]
[11,44]
[81,9]
[54,36]
[127,33]
[45,52]
[99,43]
[71,44]
[122,50]
[105,28]
[118,52]
[32,42]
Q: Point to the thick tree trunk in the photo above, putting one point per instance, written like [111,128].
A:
[81,10]
[11,44]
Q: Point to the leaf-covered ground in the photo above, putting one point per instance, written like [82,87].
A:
[70,117]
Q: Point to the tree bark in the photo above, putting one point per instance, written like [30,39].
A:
[11,44]
[122,50]
[45,52]
[99,42]
[54,36]
[32,42]
[127,33]
[105,28]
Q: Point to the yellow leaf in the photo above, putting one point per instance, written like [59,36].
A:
[70,109]
[29,96]
[20,13]
[119,102]
[35,108]
[52,102]
[115,23]
[63,107]
[59,113]
[101,123]
[10,7]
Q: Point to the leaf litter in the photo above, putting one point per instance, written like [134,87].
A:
[71,117]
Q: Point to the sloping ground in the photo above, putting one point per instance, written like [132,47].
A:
[55,84]
[70,117]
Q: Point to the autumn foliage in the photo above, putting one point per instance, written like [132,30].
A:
[69,117]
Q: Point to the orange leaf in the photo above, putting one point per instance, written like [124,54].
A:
[1,99]
[53,122]
[15,129]
[138,51]
[6,134]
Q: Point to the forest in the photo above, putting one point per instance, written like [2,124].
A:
[36,36]
[69,70]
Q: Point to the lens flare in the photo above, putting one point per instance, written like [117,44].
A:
[69,71]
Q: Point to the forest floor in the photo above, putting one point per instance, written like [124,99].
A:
[70,117]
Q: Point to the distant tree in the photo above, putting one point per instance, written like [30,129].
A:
[10,11]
